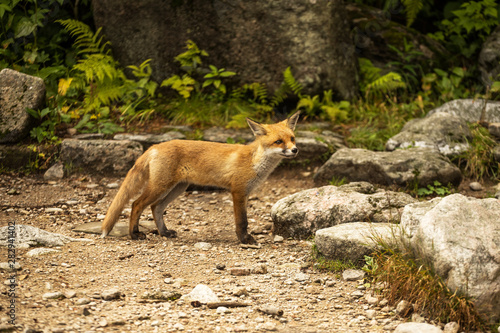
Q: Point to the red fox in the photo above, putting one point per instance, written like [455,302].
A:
[165,170]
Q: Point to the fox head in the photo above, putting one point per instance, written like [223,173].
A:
[277,139]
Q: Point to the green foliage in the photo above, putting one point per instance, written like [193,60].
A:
[445,86]
[466,31]
[374,84]
[183,85]
[323,264]
[190,60]
[436,189]
[408,276]
[214,78]
[408,65]
[478,162]
[290,86]
[49,118]
[338,181]
[412,7]
[314,106]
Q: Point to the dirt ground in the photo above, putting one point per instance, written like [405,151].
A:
[84,272]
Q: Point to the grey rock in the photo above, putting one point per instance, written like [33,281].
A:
[53,295]
[111,294]
[30,236]
[470,110]
[203,246]
[300,215]
[489,58]
[440,131]
[83,301]
[311,149]
[494,129]
[8,267]
[201,293]
[39,251]
[257,41]
[460,236]
[147,140]
[223,135]
[400,167]
[55,172]
[352,241]
[18,91]
[451,327]
[403,307]
[475,186]
[353,275]
[496,153]
[417,328]
[108,157]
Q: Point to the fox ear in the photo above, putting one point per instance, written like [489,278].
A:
[292,120]
[256,127]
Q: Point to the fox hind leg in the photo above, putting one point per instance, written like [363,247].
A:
[159,207]
[148,197]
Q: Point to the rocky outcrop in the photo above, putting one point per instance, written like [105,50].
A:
[441,131]
[18,92]
[400,167]
[302,214]
[489,58]
[460,238]
[471,110]
[374,31]
[109,157]
[257,40]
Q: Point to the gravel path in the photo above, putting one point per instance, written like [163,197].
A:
[99,286]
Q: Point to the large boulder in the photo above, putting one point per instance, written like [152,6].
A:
[257,39]
[353,241]
[489,58]
[18,92]
[471,110]
[440,131]
[374,31]
[300,215]
[401,167]
[108,157]
[460,238]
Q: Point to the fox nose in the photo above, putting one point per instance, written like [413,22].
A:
[295,150]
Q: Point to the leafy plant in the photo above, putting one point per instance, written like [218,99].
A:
[374,84]
[214,78]
[408,66]
[445,86]
[466,31]
[436,189]
[49,118]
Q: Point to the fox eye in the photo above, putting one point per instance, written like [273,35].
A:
[278,142]
[293,139]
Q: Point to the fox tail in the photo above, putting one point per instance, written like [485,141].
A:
[133,183]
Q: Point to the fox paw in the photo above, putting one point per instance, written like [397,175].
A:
[169,233]
[248,239]
[137,235]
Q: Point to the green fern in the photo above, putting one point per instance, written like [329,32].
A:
[289,86]
[413,7]
[389,82]
[291,83]
[87,41]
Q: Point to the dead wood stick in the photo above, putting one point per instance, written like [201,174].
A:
[215,305]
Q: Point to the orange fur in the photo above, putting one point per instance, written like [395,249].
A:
[165,170]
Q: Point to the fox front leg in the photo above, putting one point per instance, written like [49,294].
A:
[240,216]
